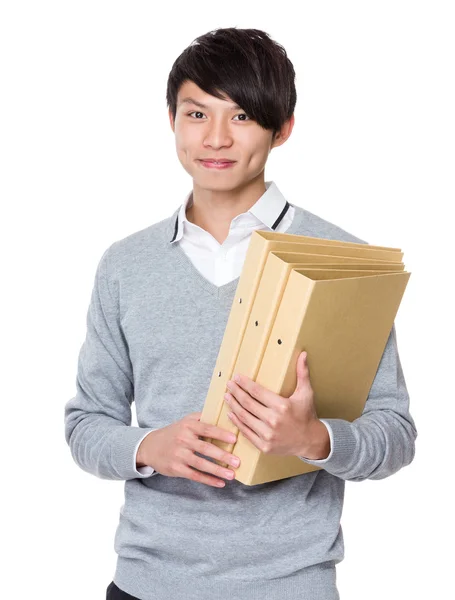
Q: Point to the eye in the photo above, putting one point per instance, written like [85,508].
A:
[201,113]
[195,111]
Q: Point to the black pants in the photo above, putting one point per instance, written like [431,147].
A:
[115,593]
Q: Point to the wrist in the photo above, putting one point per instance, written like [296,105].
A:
[140,454]
[139,463]
[139,459]
[317,446]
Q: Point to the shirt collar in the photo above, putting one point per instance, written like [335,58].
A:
[268,210]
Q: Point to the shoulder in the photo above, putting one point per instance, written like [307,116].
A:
[314,226]
[138,247]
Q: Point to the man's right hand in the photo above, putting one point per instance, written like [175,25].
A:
[170,451]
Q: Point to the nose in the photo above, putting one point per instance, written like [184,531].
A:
[218,134]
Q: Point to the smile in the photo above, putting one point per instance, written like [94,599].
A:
[215,165]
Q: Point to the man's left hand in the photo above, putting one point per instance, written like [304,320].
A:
[273,423]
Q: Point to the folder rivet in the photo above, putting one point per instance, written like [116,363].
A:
[219,373]
[256,323]
[280,342]
[240,301]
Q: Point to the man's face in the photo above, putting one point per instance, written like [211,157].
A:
[218,130]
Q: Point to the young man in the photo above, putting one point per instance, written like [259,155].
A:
[158,311]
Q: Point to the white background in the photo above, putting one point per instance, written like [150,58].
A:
[88,157]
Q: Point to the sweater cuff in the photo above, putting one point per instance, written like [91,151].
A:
[343,447]
[123,451]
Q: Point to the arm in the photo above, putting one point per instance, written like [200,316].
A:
[382,440]
[98,418]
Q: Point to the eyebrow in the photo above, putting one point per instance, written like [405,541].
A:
[190,100]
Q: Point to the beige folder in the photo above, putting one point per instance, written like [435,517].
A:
[245,356]
[343,323]
[264,309]
[261,243]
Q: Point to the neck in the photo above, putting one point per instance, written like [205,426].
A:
[213,210]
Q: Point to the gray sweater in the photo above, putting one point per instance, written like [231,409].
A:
[151,313]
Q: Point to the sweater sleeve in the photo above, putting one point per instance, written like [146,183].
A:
[98,418]
[382,440]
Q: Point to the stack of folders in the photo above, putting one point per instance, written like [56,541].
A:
[335,300]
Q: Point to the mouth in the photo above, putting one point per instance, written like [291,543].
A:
[214,164]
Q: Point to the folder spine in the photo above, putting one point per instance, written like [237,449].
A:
[265,306]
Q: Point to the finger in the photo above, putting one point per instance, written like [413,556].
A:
[256,391]
[194,475]
[213,432]
[214,451]
[259,427]
[248,433]
[249,403]
[202,464]
[303,371]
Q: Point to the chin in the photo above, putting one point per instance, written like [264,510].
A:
[207,184]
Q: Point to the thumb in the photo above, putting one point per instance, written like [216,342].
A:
[302,372]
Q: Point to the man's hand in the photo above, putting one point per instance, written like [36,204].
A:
[279,425]
[171,451]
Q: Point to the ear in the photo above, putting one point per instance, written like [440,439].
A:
[285,131]
[171,120]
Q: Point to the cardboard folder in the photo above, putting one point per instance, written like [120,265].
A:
[265,306]
[264,298]
[261,243]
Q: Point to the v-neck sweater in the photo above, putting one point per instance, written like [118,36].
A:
[154,328]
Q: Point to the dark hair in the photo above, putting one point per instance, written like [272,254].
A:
[244,64]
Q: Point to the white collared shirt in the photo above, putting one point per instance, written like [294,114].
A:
[221,263]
